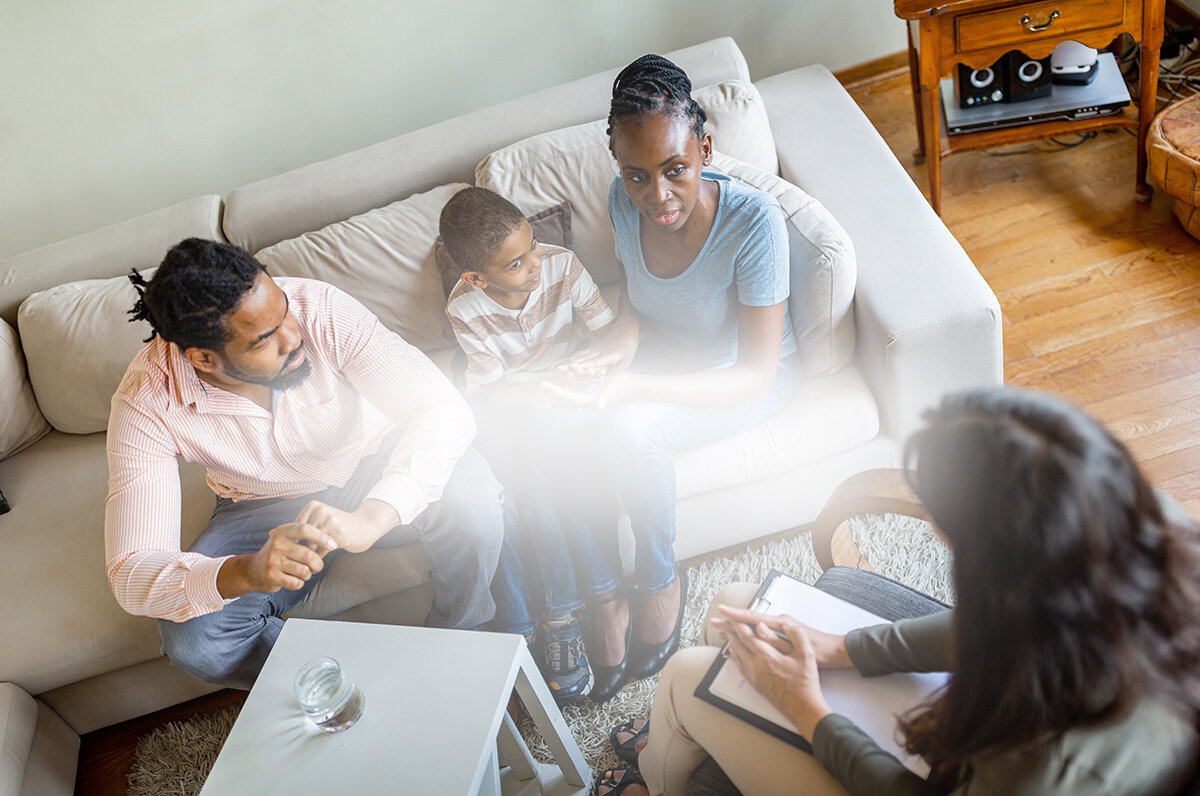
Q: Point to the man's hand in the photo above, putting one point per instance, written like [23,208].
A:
[292,554]
[354,531]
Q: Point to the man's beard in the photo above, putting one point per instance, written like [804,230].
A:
[284,381]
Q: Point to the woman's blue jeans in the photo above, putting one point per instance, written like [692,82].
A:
[637,440]
[556,499]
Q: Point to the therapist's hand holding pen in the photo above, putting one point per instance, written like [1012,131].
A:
[784,671]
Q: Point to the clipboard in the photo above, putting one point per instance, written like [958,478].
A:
[704,689]
[872,703]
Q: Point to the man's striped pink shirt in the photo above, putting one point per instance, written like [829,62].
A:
[365,381]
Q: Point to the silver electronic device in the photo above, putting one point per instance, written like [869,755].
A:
[1105,95]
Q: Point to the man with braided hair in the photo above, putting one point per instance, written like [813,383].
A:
[321,431]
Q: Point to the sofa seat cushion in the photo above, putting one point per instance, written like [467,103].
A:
[22,423]
[78,342]
[573,164]
[55,535]
[385,258]
[826,416]
[81,632]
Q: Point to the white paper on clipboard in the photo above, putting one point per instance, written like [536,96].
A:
[870,702]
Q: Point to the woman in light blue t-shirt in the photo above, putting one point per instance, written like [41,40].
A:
[705,260]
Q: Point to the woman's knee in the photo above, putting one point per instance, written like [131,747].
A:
[738,595]
[634,429]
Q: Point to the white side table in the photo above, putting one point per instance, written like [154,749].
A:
[434,721]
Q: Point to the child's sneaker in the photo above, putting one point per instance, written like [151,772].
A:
[563,661]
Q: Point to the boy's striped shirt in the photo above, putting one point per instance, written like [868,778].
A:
[524,344]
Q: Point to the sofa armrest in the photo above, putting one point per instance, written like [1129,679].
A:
[928,324]
[18,718]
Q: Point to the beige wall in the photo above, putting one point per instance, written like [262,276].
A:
[115,108]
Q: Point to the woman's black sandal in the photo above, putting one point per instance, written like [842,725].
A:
[608,680]
[646,659]
[616,780]
[633,734]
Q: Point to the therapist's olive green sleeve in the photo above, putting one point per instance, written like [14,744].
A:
[1151,749]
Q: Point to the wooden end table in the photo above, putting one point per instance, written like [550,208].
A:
[944,33]
[434,720]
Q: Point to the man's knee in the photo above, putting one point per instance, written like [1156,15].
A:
[197,649]
[472,502]
[226,647]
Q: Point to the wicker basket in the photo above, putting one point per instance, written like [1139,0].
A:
[1173,149]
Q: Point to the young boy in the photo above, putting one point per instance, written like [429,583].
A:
[514,312]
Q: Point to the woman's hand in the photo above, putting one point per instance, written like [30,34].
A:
[608,355]
[593,364]
[610,391]
[789,680]
[829,648]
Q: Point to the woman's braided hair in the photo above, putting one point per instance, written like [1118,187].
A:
[654,85]
[193,291]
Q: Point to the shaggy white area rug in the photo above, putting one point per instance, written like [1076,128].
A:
[174,759]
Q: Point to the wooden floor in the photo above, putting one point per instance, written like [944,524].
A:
[1101,302]
[1100,294]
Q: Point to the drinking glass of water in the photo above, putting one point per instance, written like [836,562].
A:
[327,695]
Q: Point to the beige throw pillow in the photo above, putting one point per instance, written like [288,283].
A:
[823,271]
[573,164]
[22,422]
[79,342]
[385,259]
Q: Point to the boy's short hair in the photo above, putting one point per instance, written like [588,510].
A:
[474,224]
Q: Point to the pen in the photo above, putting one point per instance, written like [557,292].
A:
[760,606]
[779,634]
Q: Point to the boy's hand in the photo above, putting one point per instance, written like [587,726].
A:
[590,365]
[614,389]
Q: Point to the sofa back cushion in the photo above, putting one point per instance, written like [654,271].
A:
[823,271]
[78,342]
[573,164]
[384,258]
[313,196]
[139,242]
[22,422]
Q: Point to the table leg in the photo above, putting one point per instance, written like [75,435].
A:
[914,74]
[1147,100]
[513,752]
[490,786]
[549,721]
[931,122]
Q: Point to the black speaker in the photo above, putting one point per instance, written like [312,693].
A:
[975,87]
[1026,78]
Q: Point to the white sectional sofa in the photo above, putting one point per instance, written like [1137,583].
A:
[923,323]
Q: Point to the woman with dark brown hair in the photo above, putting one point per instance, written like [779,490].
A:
[1074,647]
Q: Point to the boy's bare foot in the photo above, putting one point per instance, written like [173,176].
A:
[656,619]
[610,618]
